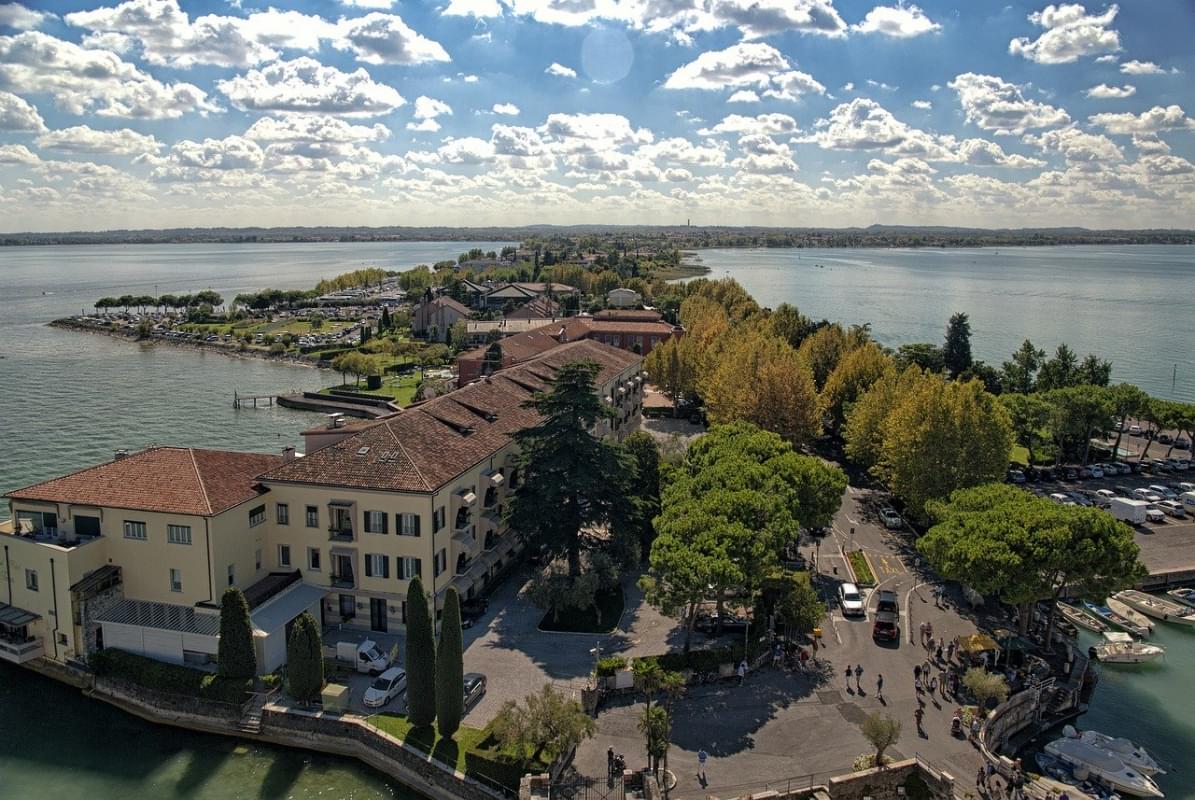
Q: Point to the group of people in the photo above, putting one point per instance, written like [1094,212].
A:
[987,782]
[857,672]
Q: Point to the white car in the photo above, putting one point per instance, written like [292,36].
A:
[891,519]
[1124,468]
[1154,514]
[1106,496]
[387,686]
[1096,471]
[850,600]
[1172,509]
[1059,497]
[1164,492]
[1146,495]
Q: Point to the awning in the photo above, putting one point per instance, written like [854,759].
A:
[976,643]
[96,578]
[341,503]
[496,478]
[14,617]
[162,616]
[342,551]
[466,538]
[468,498]
[282,608]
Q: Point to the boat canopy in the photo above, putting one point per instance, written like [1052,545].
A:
[1119,637]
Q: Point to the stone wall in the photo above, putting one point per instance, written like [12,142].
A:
[351,736]
[884,784]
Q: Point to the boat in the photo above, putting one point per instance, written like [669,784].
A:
[1184,595]
[1131,614]
[1110,616]
[1119,648]
[1133,756]
[1157,607]
[1088,760]
[1082,617]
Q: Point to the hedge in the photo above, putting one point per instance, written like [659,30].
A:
[861,568]
[609,665]
[169,678]
[704,660]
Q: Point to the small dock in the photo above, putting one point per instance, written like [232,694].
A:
[252,400]
[365,408]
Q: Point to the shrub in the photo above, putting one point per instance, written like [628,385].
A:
[236,656]
[450,669]
[168,678]
[609,665]
[860,567]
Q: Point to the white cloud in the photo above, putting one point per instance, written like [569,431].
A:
[17,154]
[900,21]
[378,4]
[756,18]
[305,84]
[473,8]
[983,153]
[861,124]
[84,139]
[508,109]
[678,150]
[743,96]
[232,152]
[1070,34]
[1077,146]
[1106,92]
[1157,119]
[92,81]
[997,105]
[576,133]
[428,125]
[791,85]
[1141,68]
[1108,59]
[763,123]
[467,150]
[1150,144]
[745,64]
[385,39]
[17,16]
[515,140]
[314,128]
[430,108]
[17,114]
[923,105]
[560,71]
[849,86]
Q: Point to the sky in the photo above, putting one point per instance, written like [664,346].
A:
[834,113]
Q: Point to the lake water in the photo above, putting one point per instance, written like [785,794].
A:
[1130,305]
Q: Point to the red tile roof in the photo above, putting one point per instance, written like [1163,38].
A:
[171,480]
[428,444]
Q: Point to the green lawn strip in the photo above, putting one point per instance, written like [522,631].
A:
[861,568]
[471,751]
[401,390]
[586,620]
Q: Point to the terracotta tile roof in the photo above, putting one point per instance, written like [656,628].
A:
[171,480]
[539,308]
[628,315]
[444,301]
[611,326]
[529,344]
[428,444]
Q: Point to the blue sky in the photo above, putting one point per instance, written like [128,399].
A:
[469,112]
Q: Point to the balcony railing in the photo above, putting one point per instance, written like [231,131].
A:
[20,652]
[343,582]
[340,534]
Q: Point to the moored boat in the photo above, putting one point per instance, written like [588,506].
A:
[1120,621]
[1120,648]
[1131,614]
[1082,617]
[1185,595]
[1132,755]
[1086,759]
[1157,607]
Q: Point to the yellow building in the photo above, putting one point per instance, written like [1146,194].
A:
[135,553]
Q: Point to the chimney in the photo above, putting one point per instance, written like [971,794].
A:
[288,454]
[121,454]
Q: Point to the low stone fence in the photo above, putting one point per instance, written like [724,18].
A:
[350,735]
[1005,721]
[900,780]
[193,713]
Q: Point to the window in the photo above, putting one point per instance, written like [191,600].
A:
[176,580]
[257,560]
[232,574]
[257,516]
[313,559]
[31,580]
[134,530]
[282,513]
[376,522]
[407,524]
[284,555]
[178,534]
[312,516]
[377,566]
[409,567]
[438,519]
[441,562]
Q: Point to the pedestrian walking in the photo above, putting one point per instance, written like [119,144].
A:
[804,657]
[981,780]
[975,728]
[917,715]
[917,689]
[922,628]
[938,652]
[859,677]
[938,596]
[950,650]
[942,681]
[702,757]
[880,686]
[609,761]
[849,672]
[742,671]
[916,671]
[929,630]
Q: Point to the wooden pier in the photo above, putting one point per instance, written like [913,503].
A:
[251,400]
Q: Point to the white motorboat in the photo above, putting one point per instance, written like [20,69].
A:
[1082,617]
[1133,756]
[1088,760]
[1157,607]
[1119,647]
[1185,595]
[1131,614]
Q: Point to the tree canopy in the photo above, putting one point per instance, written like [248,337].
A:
[235,654]
[421,657]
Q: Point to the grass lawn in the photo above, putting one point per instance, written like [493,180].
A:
[401,390]
[610,604]
[472,751]
[862,569]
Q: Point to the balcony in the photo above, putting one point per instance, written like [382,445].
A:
[51,536]
[343,582]
[340,534]
[20,652]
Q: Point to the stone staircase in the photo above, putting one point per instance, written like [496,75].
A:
[251,713]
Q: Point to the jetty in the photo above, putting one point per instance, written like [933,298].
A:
[353,405]
[251,400]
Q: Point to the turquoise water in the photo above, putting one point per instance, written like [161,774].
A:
[1126,304]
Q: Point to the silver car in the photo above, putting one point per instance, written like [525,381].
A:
[474,688]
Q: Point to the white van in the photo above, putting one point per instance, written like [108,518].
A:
[1188,501]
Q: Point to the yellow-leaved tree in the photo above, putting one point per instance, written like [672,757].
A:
[823,349]
[853,376]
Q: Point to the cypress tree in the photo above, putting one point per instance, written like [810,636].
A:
[421,658]
[450,668]
[235,655]
[305,660]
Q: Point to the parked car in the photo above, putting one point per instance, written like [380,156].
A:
[886,626]
[1134,430]
[1063,499]
[731,623]
[851,601]
[1146,495]
[1172,508]
[887,601]
[891,519]
[1095,471]
[1016,476]
[1164,438]
[1083,472]
[1182,444]
[1154,514]
[1079,499]
[1165,492]
[474,688]
[1106,495]
[1122,490]
[1070,474]
[1181,464]
[1158,465]
[387,686]
[1047,473]
[1122,467]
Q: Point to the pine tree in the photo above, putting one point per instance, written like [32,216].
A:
[957,351]
[235,654]
[305,660]
[450,668]
[421,658]
[385,324]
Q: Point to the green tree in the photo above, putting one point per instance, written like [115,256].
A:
[643,448]
[824,348]
[791,325]
[668,369]
[1125,400]
[867,418]
[928,357]
[943,436]
[1019,375]
[1028,414]
[1094,371]
[1076,414]
[655,724]
[450,667]
[956,353]
[881,731]
[421,658]
[546,722]
[305,660]
[1060,371]
[235,655]
[986,686]
[557,514]
[853,376]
